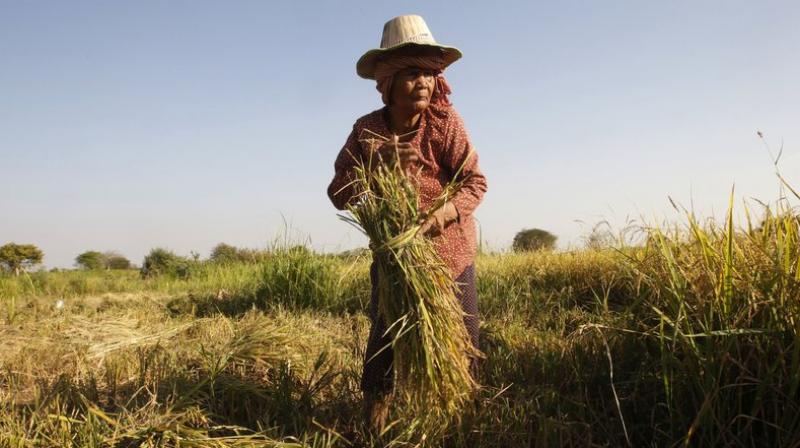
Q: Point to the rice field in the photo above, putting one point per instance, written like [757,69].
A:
[687,339]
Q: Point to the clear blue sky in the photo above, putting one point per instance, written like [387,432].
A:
[130,125]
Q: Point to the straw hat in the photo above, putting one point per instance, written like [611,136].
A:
[402,32]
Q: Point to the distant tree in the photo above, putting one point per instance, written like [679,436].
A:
[225,253]
[114,260]
[91,260]
[534,239]
[16,257]
[94,260]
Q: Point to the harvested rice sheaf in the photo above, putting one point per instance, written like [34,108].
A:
[416,291]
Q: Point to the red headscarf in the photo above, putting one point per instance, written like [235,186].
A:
[385,71]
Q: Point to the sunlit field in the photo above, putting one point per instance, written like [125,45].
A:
[688,337]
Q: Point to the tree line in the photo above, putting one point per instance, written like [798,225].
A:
[15,258]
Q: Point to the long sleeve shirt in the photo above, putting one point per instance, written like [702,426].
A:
[444,147]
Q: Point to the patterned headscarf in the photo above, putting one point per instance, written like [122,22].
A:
[385,71]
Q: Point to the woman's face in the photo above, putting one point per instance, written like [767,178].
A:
[412,89]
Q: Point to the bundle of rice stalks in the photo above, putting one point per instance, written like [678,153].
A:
[416,291]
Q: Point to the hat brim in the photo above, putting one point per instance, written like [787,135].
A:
[365,67]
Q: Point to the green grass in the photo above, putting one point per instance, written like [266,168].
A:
[689,340]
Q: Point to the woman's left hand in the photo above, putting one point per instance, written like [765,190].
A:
[435,223]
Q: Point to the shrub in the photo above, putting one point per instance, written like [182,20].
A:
[224,253]
[161,261]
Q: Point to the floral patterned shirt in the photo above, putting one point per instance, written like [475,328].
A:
[444,147]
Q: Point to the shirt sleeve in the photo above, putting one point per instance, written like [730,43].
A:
[341,189]
[461,155]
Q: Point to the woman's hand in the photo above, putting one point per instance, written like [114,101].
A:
[403,152]
[435,223]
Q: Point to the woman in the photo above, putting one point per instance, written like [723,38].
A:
[427,136]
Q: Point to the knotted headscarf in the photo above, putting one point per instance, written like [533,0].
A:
[386,70]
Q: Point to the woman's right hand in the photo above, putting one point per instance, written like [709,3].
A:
[394,149]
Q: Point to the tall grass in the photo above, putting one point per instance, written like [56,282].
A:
[286,277]
[723,314]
